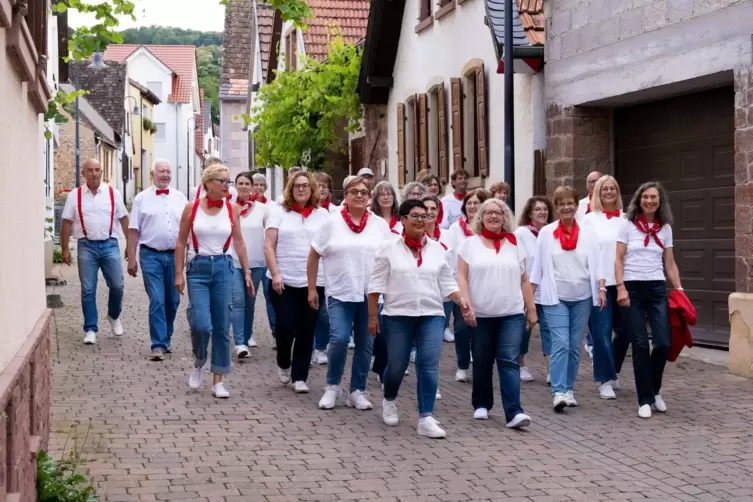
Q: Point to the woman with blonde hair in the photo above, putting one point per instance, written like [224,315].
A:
[289,232]
[212,223]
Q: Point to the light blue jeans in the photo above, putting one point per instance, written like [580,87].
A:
[243,306]
[158,270]
[93,256]
[346,318]
[567,323]
[210,282]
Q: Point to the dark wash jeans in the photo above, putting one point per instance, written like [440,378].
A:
[296,321]
[601,324]
[648,299]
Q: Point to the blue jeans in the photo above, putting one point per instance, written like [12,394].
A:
[158,270]
[346,318]
[210,281]
[447,312]
[567,322]
[321,332]
[93,256]
[463,339]
[402,332]
[546,337]
[243,306]
[380,346]
[271,316]
[498,339]
[602,323]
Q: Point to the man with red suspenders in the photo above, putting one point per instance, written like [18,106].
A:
[96,216]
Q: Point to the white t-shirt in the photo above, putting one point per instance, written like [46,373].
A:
[580,213]
[212,232]
[455,238]
[252,228]
[644,262]
[605,230]
[294,236]
[527,241]
[347,256]
[451,207]
[494,278]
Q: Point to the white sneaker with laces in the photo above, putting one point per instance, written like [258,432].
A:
[241,351]
[319,357]
[659,404]
[357,399]
[438,397]
[606,391]
[283,375]
[481,414]
[570,397]
[351,343]
[461,376]
[560,401]
[644,411]
[429,427]
[449,337]
[389,412]
[219,391]
[519,421]
[116,326]
[329,399]
[252,342]
[196,378]
[525,375]
[300,387]
[90,338]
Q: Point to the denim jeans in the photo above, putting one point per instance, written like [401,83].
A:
[648,299]
[321,331]
[380,346]
[295,330]
[271,316]
[210,282]
[546,337]
[498,339]
[447,312]
[463,339]
[243,306]
[93,256]
[402,332]
[567,322]
[158,270]
[603,322]
[346,318]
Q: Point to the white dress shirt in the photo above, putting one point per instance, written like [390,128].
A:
[452,210]
[97,211]
[192,194]
[294,236]
[410,290]
[644,262]
[157,217]
[606,231]
[347,256]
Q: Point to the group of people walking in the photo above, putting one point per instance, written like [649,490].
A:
[386,278]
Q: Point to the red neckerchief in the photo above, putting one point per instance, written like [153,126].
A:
[303,211]
[612,214]
[247,205]
[568,238]
[356,228]
[326,203]
[588,206]
[257,197]
[440,213]
[458,196]
[415,246]
[497,238]
[642,225]
[533,230]
[437,235]
[393,222]
[215,203]
[463,222]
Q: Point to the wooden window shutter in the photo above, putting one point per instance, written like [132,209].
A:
[416,138]
[482,155]
[401,145]
[442,113]
[423,132]
[539,173]
[456,97]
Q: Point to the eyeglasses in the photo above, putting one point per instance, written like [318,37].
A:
[497,214]
[302,186]
[385,195]
[417,217]
[540,210]
[358,193]
[222,181]
[415,195]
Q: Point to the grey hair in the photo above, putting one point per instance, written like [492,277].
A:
[259,177]
[408,188]
[160,161]
[378,189]
[508,219]
[663,214]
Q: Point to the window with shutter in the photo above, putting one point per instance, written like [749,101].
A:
[456,100]
[539,173]
[400,145]
[423,132]
[416,139]
[442,135]
[482,158]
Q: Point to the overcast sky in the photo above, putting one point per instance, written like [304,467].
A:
[203,15]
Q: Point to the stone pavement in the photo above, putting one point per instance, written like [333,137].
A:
[146,436]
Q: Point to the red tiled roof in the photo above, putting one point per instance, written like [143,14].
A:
[350,16]
[181,59]
[265,17]
[199,132]
[532,20]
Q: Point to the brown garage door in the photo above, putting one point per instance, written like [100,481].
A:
[687,144]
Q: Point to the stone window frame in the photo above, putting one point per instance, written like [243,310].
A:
[438,149]
[425,17]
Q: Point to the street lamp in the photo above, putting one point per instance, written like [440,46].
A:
[97,63]
[125,171]
[188,154]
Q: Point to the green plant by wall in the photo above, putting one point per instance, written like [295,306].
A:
[58,481]
[149,126]
[57,255]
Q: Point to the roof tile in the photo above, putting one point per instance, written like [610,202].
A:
[236,47]
[265,16]
[532,20]
[107,88]
[351,16]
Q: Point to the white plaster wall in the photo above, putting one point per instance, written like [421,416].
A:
[22,290]
[440,52]
[52,82]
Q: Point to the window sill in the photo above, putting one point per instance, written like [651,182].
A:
[21,49]
[39,93]
[424,23]
[444,9]
[476,182]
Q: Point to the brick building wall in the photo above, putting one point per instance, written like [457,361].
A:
[744,180]
[234,138]
[65,157]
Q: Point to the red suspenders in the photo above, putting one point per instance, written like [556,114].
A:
[193,217]
[112,210]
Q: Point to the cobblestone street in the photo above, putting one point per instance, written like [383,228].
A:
[146,436]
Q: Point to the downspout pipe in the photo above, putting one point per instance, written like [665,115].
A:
[509,110]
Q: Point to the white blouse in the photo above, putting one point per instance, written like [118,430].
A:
[294,236]
[347,256]
[410,290]
[455,239]
[252,228]
[644,262]
[494,278]
[606,231]
[527,241]
[566,275]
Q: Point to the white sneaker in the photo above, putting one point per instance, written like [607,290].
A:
[300,387]
[116,326]
[252,342]
[283,375]
[412,356]
[357,399]
[616,384]
[525,375]
[659,404]
[438,397]
[351,343]
[407,371]
[606,391]
[590,350]
[90,338]
[389,412]
[329,399]
[241,351]
[548,379]
[471,358]
[448,336]
[429,427]
[219,391]
[560,401]
[519,421]
[319,357]
[570,397]
[644,411]
[461,376]
[196,378]
[481,414]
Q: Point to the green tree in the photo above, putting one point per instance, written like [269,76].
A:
[167,35]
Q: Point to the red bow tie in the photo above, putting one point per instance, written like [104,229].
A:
[166,191]
[215,203]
